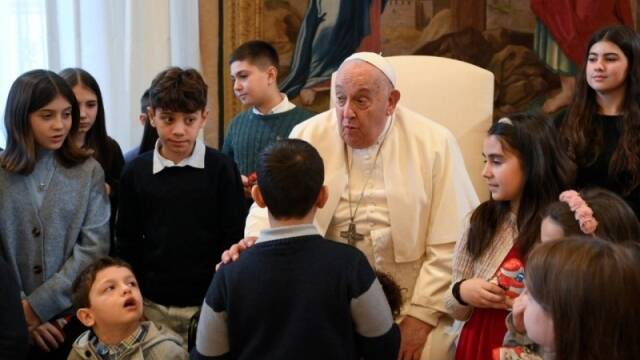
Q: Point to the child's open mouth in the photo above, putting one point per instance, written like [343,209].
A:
[131,302]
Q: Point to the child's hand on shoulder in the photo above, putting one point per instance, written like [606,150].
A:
[233,253]
[481,293]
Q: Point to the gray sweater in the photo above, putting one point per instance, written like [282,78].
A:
[48,245]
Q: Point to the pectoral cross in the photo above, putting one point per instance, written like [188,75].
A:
[351,235]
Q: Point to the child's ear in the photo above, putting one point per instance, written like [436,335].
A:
[272,74]
[152,116]
[86,317]
[257,196]
[323,196]
[205,116]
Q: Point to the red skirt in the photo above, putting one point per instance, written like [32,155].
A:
[485,330]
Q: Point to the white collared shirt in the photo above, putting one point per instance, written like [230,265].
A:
[196,159]
[285,232]
[284,105]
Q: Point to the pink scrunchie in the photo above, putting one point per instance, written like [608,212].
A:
[582,211]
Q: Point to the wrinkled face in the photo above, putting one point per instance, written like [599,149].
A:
[537,322]
[364,100]
[51,124]
[550,230]
[607,67]
[115,298]
[502,171]
[250,82]
[88,102]
[177,131]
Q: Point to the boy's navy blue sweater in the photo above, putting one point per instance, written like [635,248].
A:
[173,226]
[297,298]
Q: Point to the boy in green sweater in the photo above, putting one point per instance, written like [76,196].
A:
[270,116]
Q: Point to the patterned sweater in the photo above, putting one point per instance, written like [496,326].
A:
[250,133]
[465,267]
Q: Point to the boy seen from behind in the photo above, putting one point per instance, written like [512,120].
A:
[107,300]
[294,294]
[271,116]
[181,205]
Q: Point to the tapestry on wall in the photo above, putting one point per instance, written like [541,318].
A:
[514,39]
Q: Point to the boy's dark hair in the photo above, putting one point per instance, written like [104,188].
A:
[82,284]
[392,292]
[290,175]
[149,134]
[144,102]
[257,52]
[175,89]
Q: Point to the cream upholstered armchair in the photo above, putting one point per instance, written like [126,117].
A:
[453,93]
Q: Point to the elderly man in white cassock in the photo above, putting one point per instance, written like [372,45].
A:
[398,191]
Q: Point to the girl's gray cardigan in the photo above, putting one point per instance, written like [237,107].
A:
[48,246]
